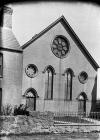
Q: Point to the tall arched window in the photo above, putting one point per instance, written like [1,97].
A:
[68,84]
[49,74]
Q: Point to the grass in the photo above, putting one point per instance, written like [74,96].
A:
[73,119]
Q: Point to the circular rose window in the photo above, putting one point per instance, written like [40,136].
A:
[60,46]
[31,70]
[83,77]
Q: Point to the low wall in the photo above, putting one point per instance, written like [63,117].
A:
[37,122]
[71,128]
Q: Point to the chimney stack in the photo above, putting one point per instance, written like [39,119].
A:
[6,17]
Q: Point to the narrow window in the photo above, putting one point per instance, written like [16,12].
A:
[68,84]
[49,83]
[1,65]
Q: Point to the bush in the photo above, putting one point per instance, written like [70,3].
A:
[21,110]
[6,110]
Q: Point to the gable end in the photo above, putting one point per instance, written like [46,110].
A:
[72,34]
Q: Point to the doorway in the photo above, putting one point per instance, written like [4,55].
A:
[31,96]
[31,103]
[82,103]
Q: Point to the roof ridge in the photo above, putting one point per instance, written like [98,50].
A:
[7,36]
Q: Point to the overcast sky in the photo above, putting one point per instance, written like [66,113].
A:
[31,18]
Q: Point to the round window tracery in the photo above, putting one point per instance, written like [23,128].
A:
[31,70]
[83,77]
[60,46]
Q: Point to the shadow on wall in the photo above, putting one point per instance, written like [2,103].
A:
[94,95]
[0,99]
[1,24]
[1,16]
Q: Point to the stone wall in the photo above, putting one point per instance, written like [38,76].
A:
[35,123]
[40,123]
[75,129]
[11,83]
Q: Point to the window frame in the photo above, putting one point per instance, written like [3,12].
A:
[52,71]
[67,42]
[83,74]
[36,69]
[68,94]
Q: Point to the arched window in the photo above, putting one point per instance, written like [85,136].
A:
[49,74]
[68,84]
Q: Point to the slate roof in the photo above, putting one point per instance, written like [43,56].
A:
[8,40]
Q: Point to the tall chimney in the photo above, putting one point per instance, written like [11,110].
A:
[6,17]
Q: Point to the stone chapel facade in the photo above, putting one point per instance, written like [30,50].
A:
[53,71]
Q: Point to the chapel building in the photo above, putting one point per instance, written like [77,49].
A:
[53,71]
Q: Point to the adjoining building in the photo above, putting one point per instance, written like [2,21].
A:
[53,71]
[10,61]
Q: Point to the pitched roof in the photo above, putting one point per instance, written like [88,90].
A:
[8,40]
[73,35]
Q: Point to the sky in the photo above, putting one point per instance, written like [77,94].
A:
[29,19]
